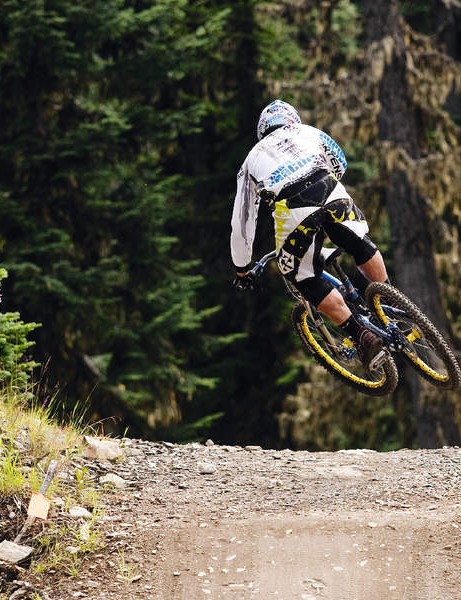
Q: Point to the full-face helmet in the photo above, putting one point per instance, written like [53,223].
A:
[276,114]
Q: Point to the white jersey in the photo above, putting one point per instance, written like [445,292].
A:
[286,155]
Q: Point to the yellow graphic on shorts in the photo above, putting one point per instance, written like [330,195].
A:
[303,229]
[335,218]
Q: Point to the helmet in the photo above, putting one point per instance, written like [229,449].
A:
[276,114]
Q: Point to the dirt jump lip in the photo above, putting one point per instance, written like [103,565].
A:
[198,521]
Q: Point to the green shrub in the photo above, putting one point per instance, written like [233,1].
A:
[15,365]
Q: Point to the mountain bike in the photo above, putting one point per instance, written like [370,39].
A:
[387,312]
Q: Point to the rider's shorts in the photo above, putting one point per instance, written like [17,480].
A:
[300,233]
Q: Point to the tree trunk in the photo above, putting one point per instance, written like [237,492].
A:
[415,271]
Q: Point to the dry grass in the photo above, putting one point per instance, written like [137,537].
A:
[30,438]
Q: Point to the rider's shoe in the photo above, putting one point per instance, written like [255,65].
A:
[369,346]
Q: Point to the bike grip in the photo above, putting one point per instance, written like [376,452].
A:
[256,270]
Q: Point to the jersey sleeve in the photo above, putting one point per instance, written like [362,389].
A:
[334,156]
[244,219]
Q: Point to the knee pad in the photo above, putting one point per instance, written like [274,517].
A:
[364,250]
[314,289]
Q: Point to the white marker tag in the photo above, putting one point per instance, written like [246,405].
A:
[38,506]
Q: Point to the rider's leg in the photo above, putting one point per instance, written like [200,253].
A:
[329,302]
[299,261]
[334,307]
[346,226]
[374,269]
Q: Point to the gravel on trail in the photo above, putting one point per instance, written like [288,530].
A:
[193,521]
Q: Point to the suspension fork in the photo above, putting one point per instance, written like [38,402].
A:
[320,324]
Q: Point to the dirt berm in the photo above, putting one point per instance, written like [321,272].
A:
[209,522]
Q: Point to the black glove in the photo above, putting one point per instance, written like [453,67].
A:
[244,283]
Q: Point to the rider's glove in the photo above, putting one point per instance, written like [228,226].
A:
[244,283]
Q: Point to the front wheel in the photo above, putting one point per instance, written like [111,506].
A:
[338,355]
[423,346]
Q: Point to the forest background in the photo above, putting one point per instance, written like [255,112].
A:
[122,126]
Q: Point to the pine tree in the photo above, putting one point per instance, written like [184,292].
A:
[92,118]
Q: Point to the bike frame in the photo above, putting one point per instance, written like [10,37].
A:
[391,336]
[399,329]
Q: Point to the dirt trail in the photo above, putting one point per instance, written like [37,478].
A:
[313,557]
[212,522]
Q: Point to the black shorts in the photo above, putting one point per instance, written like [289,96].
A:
[344,223]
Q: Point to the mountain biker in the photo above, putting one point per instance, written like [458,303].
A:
[296,169]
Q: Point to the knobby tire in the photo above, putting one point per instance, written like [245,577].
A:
[426,351]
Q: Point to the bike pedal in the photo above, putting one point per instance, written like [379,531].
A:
[377,361]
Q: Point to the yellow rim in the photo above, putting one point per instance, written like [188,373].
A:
[336,366]
[414,335]
[424,367]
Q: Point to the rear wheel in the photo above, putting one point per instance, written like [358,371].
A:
[338,355]
[424,347]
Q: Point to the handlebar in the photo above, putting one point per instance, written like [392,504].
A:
[262,262]
[329,255]
[247,282]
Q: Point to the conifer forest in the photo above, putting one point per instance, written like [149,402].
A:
[123,124]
